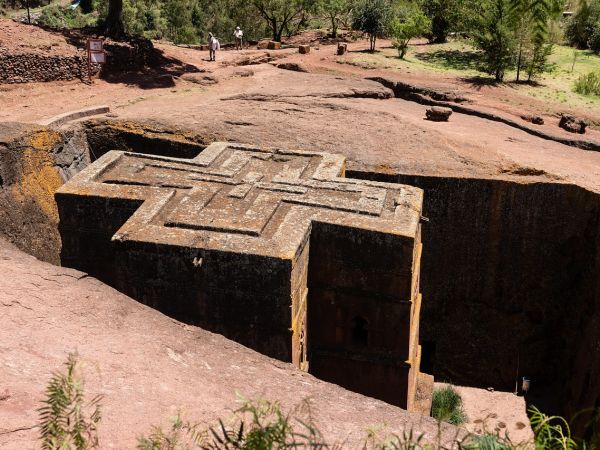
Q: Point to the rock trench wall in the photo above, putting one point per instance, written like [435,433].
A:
[511,284]
[34,162]
[510,270]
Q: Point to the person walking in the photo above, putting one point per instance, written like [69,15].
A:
[239,36]
[213,46]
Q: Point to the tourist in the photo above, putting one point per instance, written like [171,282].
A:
[213,46]
[239,35]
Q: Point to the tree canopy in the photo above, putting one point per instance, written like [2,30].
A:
[372,17]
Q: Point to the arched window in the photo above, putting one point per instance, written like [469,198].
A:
[360,331]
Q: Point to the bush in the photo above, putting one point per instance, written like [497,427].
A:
[447,406]
[588,84]
[411,24]
[487,441]
[259,425]
[594,40]
[67,421]
[58,17]
[584,27]
[551,432]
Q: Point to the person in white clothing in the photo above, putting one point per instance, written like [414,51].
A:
[239,36]
[213,46]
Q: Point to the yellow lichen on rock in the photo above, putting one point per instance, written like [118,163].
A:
[40,178]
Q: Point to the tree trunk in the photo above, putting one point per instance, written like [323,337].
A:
[275,30]
[333,27]
[499,75]
[86,6]
[403,48]
[372,40]
[519,60]
[114,20]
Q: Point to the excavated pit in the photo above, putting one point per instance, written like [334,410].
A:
[510,282]
[510,270]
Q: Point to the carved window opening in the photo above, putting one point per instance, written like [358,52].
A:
[360,331]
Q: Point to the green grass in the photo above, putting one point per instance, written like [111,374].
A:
[447,406]
[588,84]
[461,60]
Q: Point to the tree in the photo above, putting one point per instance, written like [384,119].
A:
[372,17]
[539,60]
[496,39]
[335,10]
[584,27]
[440,13]
[280,14]
[411,23]
[531,19]
[179,20]
[113,25]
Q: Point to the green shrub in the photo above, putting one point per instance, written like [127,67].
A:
[588,84]
[410,24]
[67,421]
[260,425]
[551,432]
[447,406]
[584,24]
[408,441]
[594,40]
[56,16]
[487,441]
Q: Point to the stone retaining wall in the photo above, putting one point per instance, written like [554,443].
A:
[29,67]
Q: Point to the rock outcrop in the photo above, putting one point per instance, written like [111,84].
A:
[149,367]
[438,114]
[572,124]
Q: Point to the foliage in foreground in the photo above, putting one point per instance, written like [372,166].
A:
[588,84]
[67,421]
[447,406]
[256,426]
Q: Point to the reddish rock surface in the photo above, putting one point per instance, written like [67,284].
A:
[495,412]
[147,366]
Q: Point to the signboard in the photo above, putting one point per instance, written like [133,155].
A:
[98,57]
[95,45]
[96,54]
[95,48]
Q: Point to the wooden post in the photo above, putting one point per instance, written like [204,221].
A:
[89,62]
[28,15]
